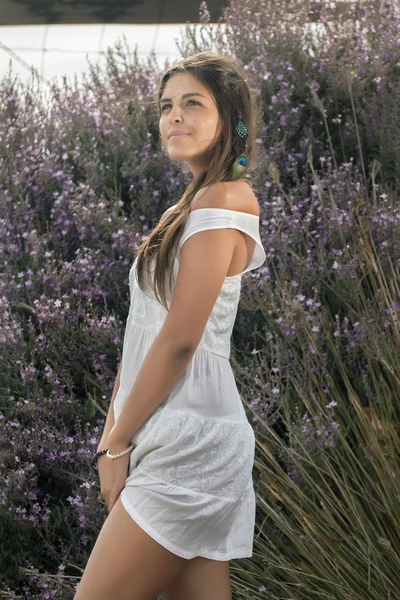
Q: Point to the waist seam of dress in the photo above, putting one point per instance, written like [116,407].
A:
[151,330]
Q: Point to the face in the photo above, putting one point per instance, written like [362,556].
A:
[194,119]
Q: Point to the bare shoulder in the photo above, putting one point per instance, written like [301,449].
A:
[231,195]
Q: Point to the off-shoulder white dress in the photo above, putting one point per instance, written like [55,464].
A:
[190,481]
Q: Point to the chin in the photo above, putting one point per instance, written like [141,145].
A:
[178,156]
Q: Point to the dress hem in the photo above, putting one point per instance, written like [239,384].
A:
[243,552]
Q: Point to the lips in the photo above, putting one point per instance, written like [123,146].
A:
[177,136]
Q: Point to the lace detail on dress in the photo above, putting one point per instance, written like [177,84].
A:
[218,330]
[216,459]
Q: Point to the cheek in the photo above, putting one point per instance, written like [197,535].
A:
[163,129]
[207,124]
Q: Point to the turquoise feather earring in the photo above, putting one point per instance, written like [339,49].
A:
[241,162]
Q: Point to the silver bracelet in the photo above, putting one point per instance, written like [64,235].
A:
[114,456]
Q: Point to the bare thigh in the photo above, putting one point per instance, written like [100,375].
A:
[201,579]
[126,563]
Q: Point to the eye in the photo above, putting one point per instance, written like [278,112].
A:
[168,104]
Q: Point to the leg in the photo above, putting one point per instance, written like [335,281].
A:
[126,563]
[201,579]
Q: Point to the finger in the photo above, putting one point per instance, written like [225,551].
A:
[116,492]
[111,503]
[113,498]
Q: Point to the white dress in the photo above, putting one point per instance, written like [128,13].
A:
[190,481]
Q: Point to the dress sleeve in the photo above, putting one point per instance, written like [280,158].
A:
[202,219]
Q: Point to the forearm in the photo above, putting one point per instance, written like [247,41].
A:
[161,369]
[110,421]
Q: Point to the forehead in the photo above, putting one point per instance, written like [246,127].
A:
[182,83]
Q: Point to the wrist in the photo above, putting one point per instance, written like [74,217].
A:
[116,444]
[97,456]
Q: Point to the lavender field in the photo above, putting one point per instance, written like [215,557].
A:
[316,344]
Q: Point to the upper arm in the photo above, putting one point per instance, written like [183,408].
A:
[204,263]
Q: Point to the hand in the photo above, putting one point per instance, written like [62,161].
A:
[106,477]
[119,466]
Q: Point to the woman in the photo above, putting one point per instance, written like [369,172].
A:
[176,456]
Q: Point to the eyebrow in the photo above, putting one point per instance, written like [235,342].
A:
[184,96]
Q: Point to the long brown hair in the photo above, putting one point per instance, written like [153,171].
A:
[226,80]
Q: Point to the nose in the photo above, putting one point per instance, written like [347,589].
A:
[175,115]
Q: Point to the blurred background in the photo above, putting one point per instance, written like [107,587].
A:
[57,37]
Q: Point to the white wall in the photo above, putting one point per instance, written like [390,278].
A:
[67,47]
